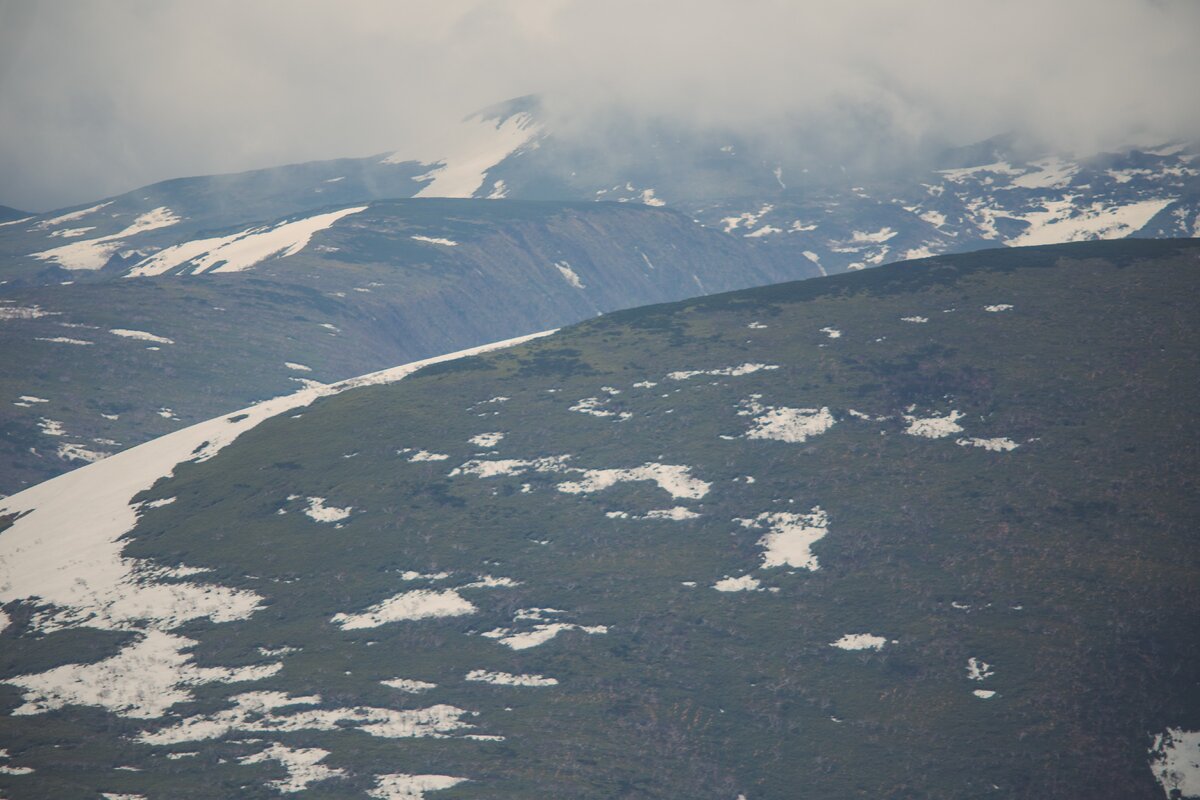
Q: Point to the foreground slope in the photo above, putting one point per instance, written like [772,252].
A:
[89,368]
[923,531]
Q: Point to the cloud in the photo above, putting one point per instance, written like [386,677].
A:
[99,98]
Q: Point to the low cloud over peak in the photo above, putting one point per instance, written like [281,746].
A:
[99,98]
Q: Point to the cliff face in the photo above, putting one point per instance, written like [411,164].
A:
[394,282]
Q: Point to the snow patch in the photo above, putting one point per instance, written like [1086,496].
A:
[302,764]
[414,605]
[140,335]
[860,641]
[789,537]
[674,479]
[435,240]
[486,440]
[142,681]
[243,250]
[934,427]
[255,712]
[508,679]
[402,786]
[92,254]
[318,511]
[745,583]
[734,372]
[409,685]
[783,424]
[978,670]
[569,274]
[474,148]
[997,445]
[1175,761]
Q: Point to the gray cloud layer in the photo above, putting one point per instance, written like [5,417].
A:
[97,98]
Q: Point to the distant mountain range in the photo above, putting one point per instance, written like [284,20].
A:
[925,530]
[990,194]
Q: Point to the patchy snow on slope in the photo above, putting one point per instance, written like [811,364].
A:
[69,451]
[243,250]
[541,632]
[569,274]
[917,320]
[421,455]
[143,680]
[509,466]
[255,712]
[984,694]
[487,440]
[1064,221]
[733,372]
[141,336]
[860,641]
[298,367]
[1175,761]
[435,240]
[302,764]
[64,552]
[71,233]
[8,312]
[747,220]
[1051,173]
[68,217]
[319,512]
[996,309]
[508,679]
[783,424]
[62,340]
[595,407]
[962,174]
[678,514]
[996,445]
[409,685]
[978,670]
[832,333]
[934,427]
[468,152]
[92,254]
[745,583]
[873,237]
[674,479]
[413,605]
[402,786]
[789,537]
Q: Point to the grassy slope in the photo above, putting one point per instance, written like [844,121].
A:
[1088,527]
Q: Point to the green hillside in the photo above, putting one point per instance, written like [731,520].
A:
[927,530]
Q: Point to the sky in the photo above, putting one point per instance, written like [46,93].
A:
[97,98]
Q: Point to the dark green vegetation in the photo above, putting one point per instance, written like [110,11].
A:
[1069,564]
[390,299]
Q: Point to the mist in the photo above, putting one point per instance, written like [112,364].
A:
[97,99]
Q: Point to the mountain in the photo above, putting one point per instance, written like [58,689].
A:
[790,201]
[10,214]
[91,367]
[925,530]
